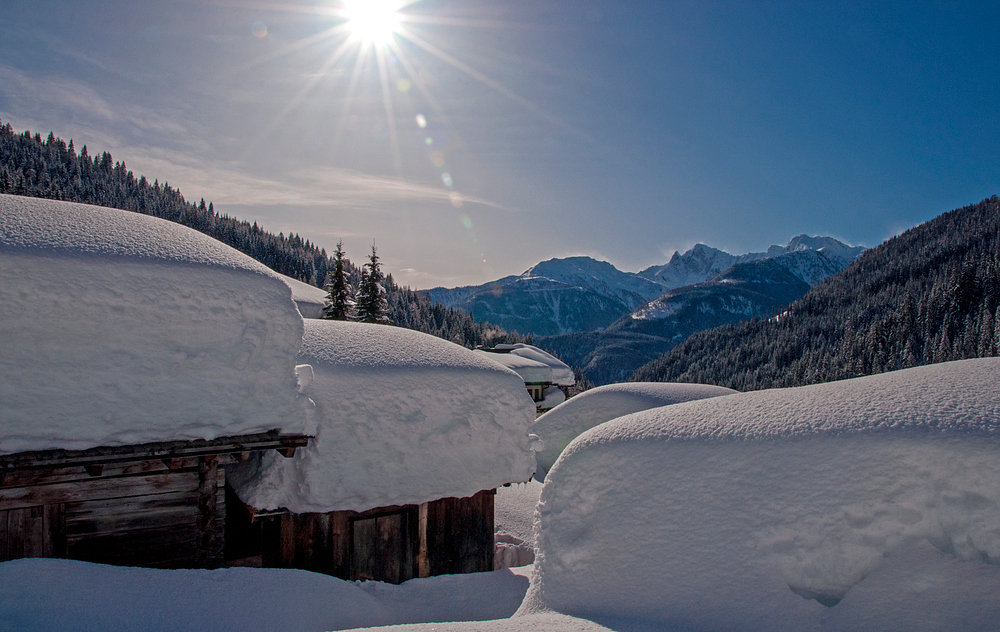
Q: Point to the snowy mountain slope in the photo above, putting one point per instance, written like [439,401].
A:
[755,288]
[577,294]
[702,263]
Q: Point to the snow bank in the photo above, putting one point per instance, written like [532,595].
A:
[532,364]
[513,524]
[403,418]
[309,299]
[878,496]
[591,408]
[547,622]
[42,595]
[463,597]
[119,328]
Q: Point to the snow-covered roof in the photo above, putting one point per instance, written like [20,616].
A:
[120,328]
[403,418]
[309,299]
[532,364]
[591,408]
[871,503]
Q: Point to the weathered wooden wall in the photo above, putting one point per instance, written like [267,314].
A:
[460,534]
[384,544]
[159,513]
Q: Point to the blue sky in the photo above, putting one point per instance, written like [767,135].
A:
[621,130]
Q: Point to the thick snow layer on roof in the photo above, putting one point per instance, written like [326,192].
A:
[591,408]
[532,364]
[308,298]
[870,503]
[119,328]
[403,417]
[39,595]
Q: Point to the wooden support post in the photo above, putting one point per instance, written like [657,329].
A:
[211,542]
[286,452]
[423,558]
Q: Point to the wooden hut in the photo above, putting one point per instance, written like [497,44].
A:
[156,504]
[390,544]
[414,434]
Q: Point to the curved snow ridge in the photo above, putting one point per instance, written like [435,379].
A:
[361,345]
[403,418]
[953,397]
[69,228]
[870,503]
[565,422]
[532,364]
[309,299]
[117,328]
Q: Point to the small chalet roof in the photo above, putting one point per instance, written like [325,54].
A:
[308,298]
[402,417]
[118,328]
[558,427]
[531,363]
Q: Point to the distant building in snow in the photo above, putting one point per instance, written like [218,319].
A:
[139,427]
[546,377]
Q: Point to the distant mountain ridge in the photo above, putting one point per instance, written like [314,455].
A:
[582,294]
[701,263]
[754,288]
[930,294]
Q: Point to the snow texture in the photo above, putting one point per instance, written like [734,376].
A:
[309,299]
[403,417]
[532,364]
[70,596]
[544,622]
[513,524]
[119,328]
[872,503]
[558,427]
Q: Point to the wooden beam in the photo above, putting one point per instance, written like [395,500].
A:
[286,452]
[423,559]
[94,469]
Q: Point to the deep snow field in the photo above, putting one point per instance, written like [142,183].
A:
[871,503]
[866,504]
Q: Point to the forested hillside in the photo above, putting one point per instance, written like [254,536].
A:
[929,295]
[50,168]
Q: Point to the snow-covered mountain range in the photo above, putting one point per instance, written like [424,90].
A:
[581,294]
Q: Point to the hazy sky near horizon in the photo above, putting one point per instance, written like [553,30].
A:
[496,134]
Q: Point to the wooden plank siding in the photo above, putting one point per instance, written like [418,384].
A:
[136,515]
[460,534]
[384,544]
[156,504]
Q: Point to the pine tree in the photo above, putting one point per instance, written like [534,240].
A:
[338,300]
[372,306]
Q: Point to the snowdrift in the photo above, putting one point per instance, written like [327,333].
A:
[309,299]
[591,408]
[119,328]
[513,524]
[403,417]
[871,503]
[43,595]
[532,364]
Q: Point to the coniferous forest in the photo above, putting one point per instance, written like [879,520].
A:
[50,168]
[931,294]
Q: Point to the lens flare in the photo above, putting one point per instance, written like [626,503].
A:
[372,21]
[259,29]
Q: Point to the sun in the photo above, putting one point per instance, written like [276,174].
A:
[372,21]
